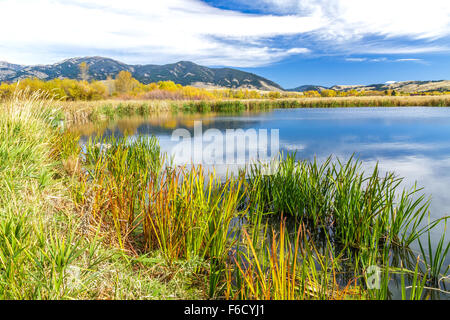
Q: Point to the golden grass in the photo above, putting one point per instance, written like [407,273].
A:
[83,112]
[400,100]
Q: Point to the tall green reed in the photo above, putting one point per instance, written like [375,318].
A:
[188,214]
[355,207]
[286,269]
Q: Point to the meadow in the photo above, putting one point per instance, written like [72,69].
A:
[116,220]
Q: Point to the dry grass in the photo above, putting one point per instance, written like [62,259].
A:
[381,100]
[83,112]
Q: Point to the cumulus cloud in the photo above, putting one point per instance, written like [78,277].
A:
[142,31]
[356,18]
[148,31]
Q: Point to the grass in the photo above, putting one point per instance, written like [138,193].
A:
[82,112]
[167,210]
[114,220]
[435,259]
[45,251]
[355,207]
[188,216]
[287,269]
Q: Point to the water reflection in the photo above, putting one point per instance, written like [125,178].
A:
[413,142]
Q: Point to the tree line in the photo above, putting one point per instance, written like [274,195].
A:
[124,86]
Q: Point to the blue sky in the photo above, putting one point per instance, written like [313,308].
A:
[292,42]
[331,70]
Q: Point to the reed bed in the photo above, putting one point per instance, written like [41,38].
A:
[86,111]
[288,269]
[188,214]
[374,101]
[118,172]
[354,207]
[183,213]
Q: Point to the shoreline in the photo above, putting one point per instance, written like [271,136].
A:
[79,112]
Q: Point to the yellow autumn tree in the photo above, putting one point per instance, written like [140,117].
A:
[84,71]
[125,82]
[328,93]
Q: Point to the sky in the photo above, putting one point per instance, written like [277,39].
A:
[292,42]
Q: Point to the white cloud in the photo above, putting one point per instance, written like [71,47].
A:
[356,59]
[155,31]
[383,59]
[147,31]
[410,60]
[381,49]
[355,18]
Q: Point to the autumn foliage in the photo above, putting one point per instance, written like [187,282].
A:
[125,87]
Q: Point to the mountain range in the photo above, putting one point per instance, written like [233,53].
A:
[183,72]
[187,73]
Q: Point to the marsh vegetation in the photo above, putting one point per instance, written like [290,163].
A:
[114,218]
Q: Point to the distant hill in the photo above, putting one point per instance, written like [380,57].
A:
[309,87]
[412,86]
[189,73]
[183,72]
[404,86]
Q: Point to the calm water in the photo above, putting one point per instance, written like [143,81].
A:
[413,142]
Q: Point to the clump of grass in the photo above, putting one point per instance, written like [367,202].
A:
[339,197]
[298,189]
[286,269]
[108,111]
[123,156]
[119,170]
[228,106]
[434,260]
[144,110]
[188,215]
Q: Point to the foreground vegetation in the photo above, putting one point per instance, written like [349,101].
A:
[47,249]
[115,220]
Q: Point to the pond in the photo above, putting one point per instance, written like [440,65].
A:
[414,142]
